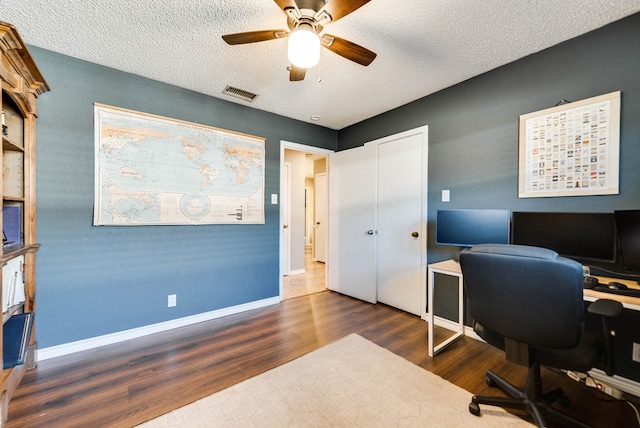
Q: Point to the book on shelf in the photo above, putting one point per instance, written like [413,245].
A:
[13,292]
[12,224]
[15,339]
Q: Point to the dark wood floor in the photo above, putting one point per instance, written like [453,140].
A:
[128,383]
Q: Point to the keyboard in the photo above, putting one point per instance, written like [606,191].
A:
[631,292]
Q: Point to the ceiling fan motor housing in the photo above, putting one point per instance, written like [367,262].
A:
[314,5]
[306,13]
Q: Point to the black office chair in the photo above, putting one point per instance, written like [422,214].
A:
[528,302]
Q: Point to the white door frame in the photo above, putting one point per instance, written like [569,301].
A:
[284,252]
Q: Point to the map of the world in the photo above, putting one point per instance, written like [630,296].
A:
[152,170]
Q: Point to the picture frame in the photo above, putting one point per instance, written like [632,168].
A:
[571,149]
[154,170]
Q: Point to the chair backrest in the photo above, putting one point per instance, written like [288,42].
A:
[527,294]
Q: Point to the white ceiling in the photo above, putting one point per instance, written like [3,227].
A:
[423,46]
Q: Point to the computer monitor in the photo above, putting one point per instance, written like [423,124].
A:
[581,236]
[465,228]
[628,225]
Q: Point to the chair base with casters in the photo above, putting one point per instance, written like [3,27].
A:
[532,400]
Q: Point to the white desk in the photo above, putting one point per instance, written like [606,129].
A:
[447,267]
[628,302]
[452,268]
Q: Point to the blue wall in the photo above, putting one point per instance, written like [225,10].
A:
[99,280]
[473,126]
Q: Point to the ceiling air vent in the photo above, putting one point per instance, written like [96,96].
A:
[240,93]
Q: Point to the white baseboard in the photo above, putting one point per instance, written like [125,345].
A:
[296,272]
[109,339]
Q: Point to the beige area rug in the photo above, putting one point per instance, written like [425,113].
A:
[349,383]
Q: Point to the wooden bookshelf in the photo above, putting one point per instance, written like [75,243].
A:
[21,83]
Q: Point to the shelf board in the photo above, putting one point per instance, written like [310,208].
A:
[8,144]
[11,312]
[13,251]
[8,198]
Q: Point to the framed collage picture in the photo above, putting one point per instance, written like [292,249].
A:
[571,149]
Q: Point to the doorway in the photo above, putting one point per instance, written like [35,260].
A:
[303,209]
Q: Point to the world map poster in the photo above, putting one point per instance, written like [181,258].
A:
[152,170]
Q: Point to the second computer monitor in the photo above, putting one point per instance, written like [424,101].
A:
[628,224]
[581,236]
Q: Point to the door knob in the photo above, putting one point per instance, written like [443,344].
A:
[415,234]
[370,232]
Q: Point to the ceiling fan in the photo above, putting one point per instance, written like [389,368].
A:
[306,19]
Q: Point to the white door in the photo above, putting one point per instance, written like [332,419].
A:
[378,221]
[321,215]
[401,225]
[352,252]
[285,218]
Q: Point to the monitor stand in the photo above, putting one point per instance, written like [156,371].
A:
[456,256]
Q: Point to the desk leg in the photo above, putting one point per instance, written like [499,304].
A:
[460,306]
[431,314]
[433,349]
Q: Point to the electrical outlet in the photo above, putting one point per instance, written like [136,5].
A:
[171,300]
[635,356]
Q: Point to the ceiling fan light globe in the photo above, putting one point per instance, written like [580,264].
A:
[304,48]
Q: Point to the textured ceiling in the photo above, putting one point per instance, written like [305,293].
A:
[423,46]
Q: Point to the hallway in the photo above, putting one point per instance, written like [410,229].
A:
[312,281]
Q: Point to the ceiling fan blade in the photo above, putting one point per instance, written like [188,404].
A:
[297,73]
[348,50]
[341,8]
[254,36]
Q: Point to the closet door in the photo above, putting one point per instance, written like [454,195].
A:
[377,221]
[401,221]
[351,269]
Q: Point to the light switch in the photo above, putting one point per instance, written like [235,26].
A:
[274,199]
[446,196]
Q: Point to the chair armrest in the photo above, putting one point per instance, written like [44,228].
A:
[606,308]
